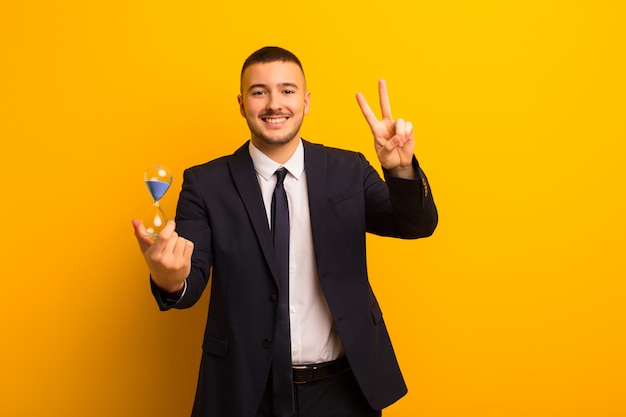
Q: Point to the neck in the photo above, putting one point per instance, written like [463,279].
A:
[279,153]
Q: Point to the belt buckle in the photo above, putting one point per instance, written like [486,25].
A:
[312,370]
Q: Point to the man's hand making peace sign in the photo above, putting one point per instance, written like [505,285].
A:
[393,140]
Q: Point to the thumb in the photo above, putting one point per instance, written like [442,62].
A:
[140,233]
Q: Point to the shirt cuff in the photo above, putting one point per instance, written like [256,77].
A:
[174,300]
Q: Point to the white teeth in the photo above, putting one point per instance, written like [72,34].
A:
[276,121]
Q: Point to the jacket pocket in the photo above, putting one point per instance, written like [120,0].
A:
[215,346]
[342,196]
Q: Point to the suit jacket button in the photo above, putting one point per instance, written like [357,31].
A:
[267,343]
[274,298]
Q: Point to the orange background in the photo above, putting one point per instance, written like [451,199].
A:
[515,307]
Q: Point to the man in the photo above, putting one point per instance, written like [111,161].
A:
[293,327]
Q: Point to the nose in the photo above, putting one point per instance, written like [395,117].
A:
[274,102]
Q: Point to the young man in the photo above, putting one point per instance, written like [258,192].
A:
[293,328]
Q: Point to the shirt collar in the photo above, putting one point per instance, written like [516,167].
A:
[266,167]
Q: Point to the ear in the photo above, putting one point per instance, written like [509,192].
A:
[307,102]
[241,108]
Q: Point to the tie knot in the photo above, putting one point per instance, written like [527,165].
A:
[280,175]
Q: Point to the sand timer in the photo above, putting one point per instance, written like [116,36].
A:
[158,180]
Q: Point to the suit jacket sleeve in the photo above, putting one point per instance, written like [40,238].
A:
[405,208]
[191,223]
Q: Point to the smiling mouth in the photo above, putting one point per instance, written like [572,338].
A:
[275,120]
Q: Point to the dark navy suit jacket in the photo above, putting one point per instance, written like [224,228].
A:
[221,211]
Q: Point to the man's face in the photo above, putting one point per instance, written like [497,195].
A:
[273,101]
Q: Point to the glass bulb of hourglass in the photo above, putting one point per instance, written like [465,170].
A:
[158,180]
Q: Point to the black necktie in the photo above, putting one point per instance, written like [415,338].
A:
[282,374]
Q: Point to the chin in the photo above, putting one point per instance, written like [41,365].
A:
[275,138]
[277,141]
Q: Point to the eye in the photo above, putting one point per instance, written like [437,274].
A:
[287,91]
[257,92]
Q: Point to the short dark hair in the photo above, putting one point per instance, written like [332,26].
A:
[270,54]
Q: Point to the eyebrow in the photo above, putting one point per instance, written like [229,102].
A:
[286,84]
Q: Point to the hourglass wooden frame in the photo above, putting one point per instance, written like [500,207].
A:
[158,180]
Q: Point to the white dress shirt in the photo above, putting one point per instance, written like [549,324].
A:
[313,336]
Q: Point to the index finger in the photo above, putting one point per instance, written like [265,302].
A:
[385,107]
[366,110]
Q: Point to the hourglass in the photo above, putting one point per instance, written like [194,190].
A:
[158,180]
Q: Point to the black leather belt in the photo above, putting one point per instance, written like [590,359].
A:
[303,374]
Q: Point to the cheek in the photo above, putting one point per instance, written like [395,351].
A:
[252,107]
[304,105]
[298,106]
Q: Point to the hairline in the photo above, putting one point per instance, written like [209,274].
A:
[269,54]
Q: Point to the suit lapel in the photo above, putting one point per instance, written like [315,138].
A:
[247,186]
[315,165]
[246,182]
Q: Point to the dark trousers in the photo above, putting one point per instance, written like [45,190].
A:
[337,396]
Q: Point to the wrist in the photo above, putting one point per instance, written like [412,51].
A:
[407,172]
[174,292]
[169,288]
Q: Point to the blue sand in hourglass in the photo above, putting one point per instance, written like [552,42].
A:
[157,188]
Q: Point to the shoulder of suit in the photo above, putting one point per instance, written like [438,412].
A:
[221,161]
[332,151]
[212,164]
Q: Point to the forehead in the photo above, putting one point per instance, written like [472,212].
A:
[273,73]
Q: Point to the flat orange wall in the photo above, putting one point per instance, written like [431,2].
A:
[515,307]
